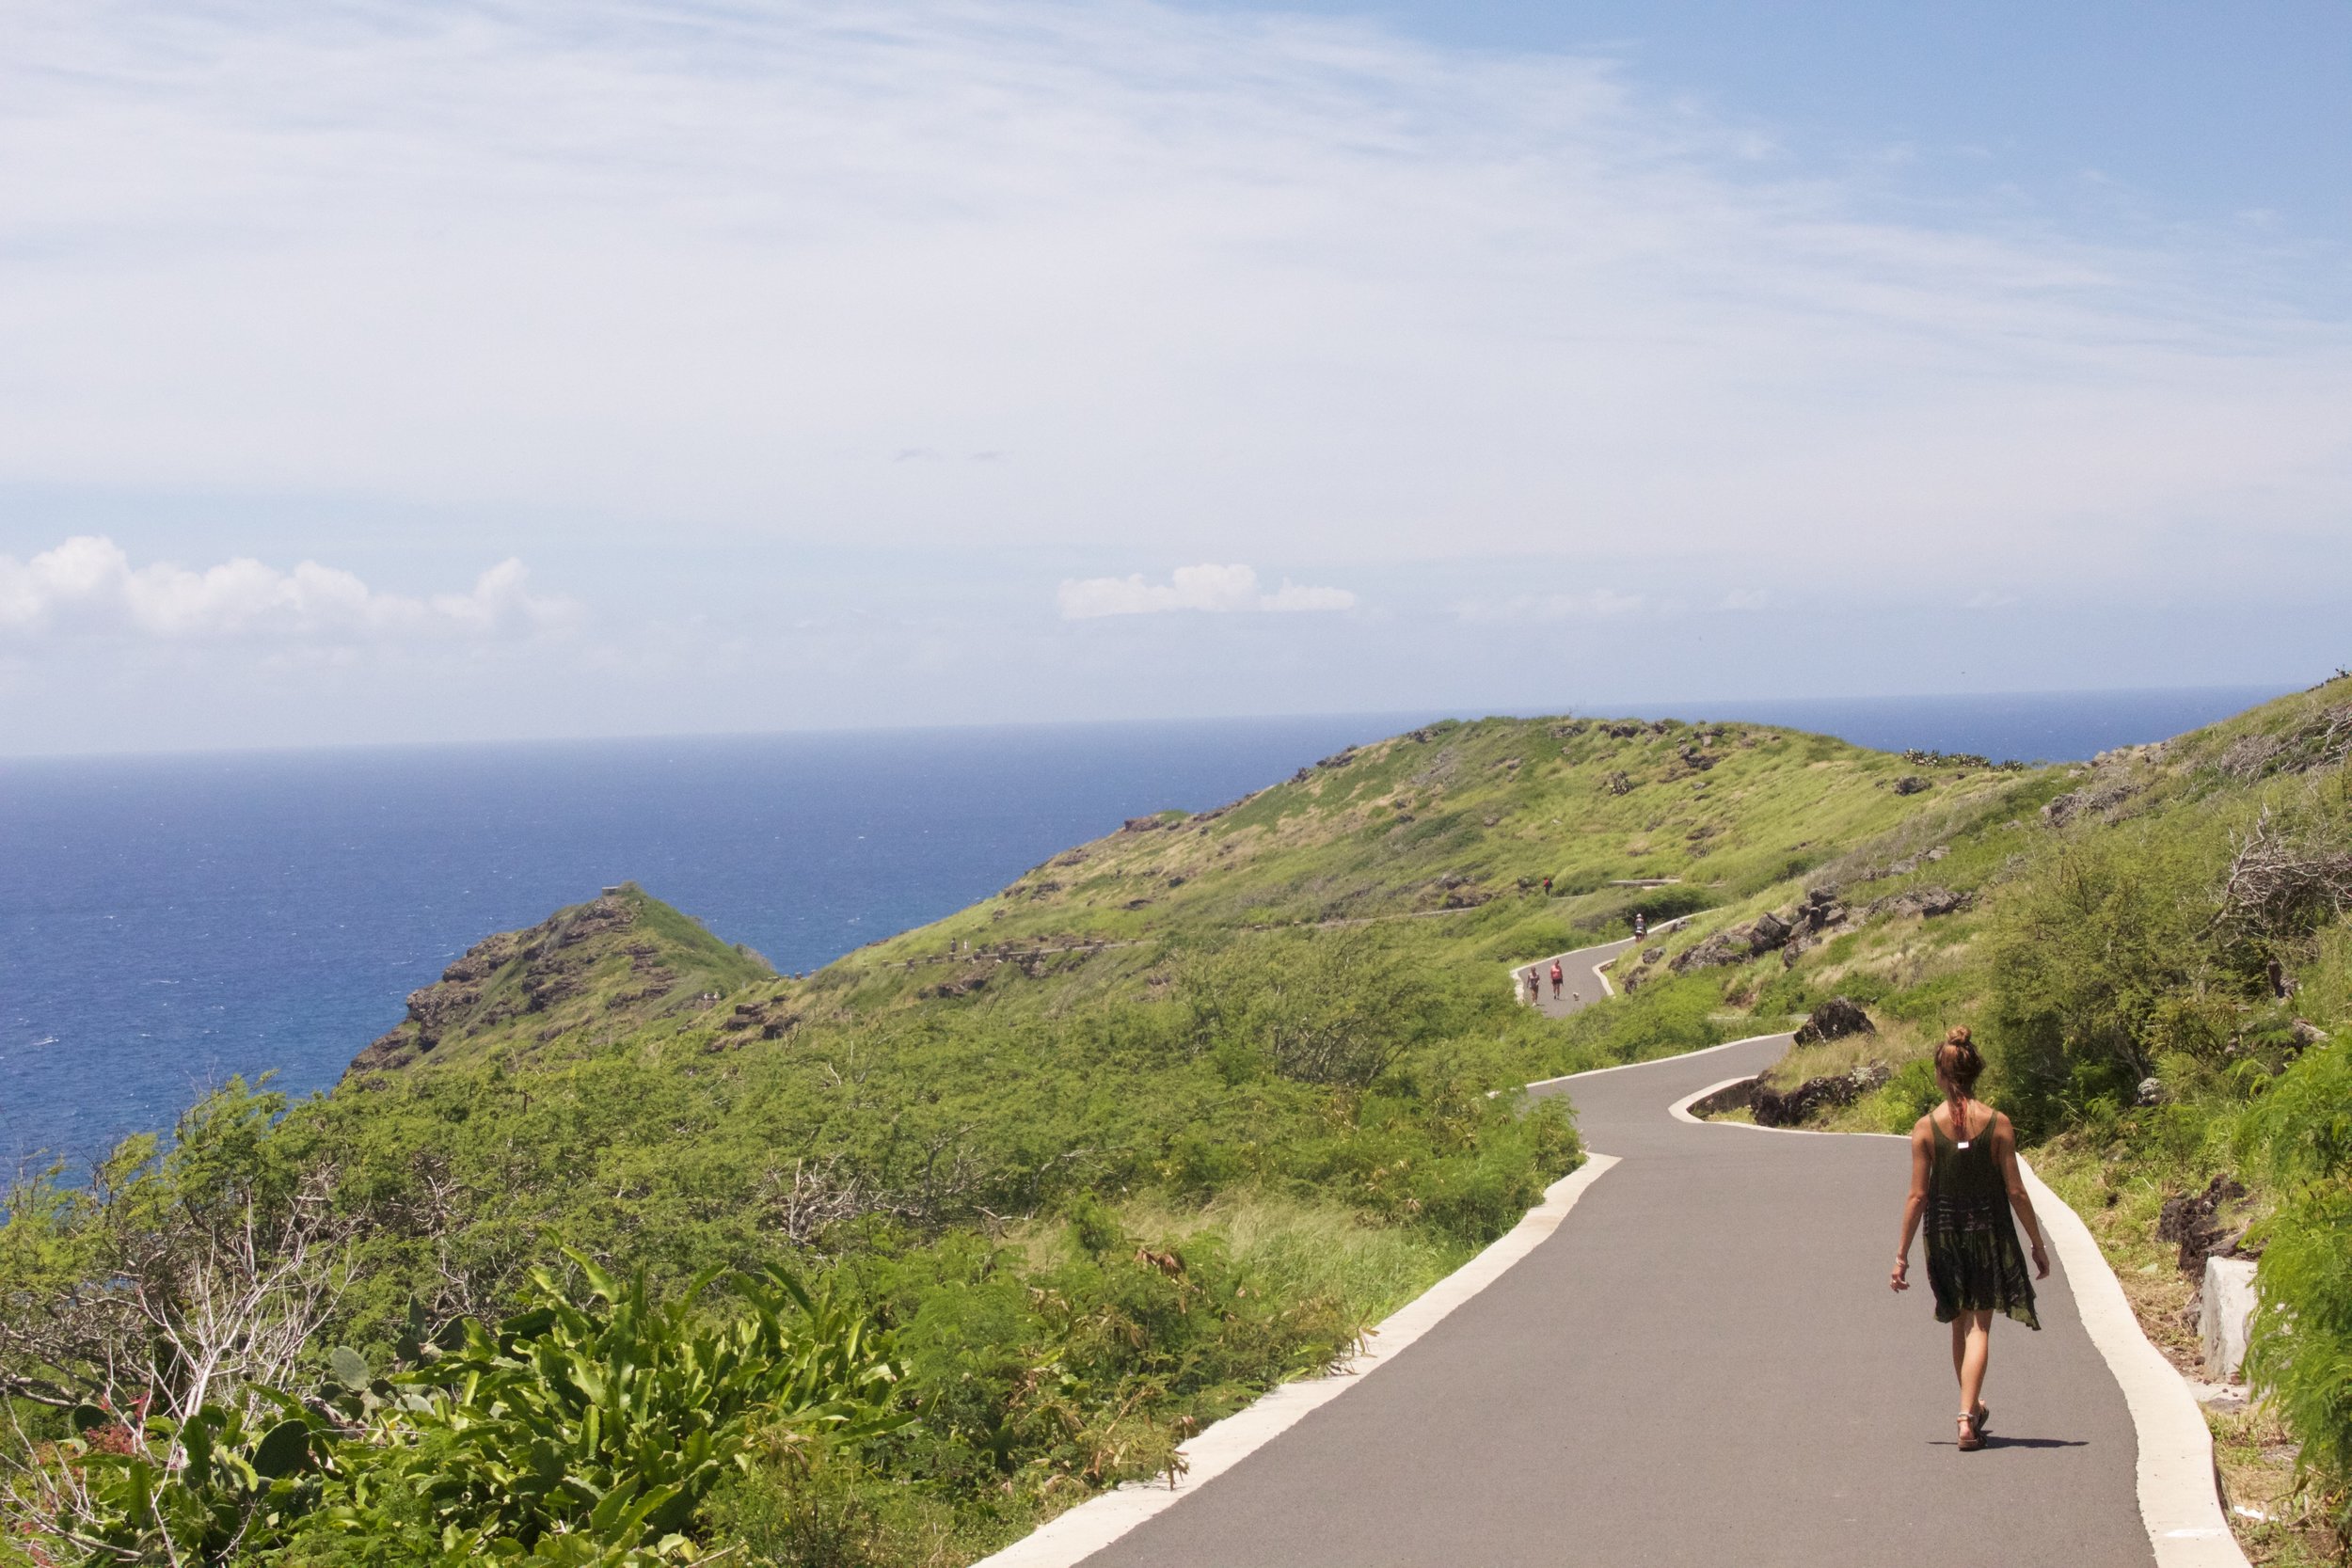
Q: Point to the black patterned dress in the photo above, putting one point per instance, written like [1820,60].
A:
[1974,1261]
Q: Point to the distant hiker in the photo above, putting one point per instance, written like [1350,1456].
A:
[1640,924]
[1535,992]
[1556,979]
[1964,1183]
[1547,887]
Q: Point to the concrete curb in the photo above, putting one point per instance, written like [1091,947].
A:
[1072,1537]
[2180,1500]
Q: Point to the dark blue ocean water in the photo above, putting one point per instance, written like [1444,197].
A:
[167,921]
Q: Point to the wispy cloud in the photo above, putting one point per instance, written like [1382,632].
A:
[724,261]
[1222,590]
[1590,604]
[88,585]
[652,293]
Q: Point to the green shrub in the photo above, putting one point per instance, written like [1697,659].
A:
[2085,954]
[2299,1135]
[1909,1094]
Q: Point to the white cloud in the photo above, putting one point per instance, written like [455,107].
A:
[88,584]
[1206,587]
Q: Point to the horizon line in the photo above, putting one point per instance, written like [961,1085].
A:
[1640,710]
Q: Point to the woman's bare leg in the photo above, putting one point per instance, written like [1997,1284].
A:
[1972,1346]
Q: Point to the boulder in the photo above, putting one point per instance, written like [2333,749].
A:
[2194,1220]
[1912,783]
[1768,932]
[2225,1314]
[1835,1020]
[1820,910]
[1723,947]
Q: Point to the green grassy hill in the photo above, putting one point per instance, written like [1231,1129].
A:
[1179,1112]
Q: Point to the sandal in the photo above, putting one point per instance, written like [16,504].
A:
[1984,1418]
[1971,1435]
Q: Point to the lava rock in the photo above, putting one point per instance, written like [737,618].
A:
[1775,1109]
[1835,1020]
[1769,932]
[2193,1220]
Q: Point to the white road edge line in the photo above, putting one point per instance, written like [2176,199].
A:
[1072,1537]
[2179,1502]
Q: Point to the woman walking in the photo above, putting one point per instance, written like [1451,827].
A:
[1964,1184]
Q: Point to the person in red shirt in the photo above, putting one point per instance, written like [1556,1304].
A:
[1556,979]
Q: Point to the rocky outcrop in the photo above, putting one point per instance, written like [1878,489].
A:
[1723,947]
[608,950]
[1818,914]
[2201,1226]
[437,1009]
[1912,783]
[1736,944]
[1774,1108]
[1834,1019]
[1925,902]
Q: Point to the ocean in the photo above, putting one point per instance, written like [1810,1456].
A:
[167,921]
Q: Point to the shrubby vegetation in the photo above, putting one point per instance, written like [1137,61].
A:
[622,1251]
[892,1293]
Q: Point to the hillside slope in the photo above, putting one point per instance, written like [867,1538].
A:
[1176,1112]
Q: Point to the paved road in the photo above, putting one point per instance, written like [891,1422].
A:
[1580,987]
[1702,1367]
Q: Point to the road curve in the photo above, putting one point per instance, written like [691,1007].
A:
[1703,1366]
[1581,983]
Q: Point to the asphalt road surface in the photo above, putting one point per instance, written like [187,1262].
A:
[1702,1367]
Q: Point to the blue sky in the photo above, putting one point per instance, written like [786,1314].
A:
[734,367]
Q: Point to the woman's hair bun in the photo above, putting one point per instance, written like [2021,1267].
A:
[1958,1060]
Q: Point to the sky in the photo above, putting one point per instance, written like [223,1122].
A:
[431,371]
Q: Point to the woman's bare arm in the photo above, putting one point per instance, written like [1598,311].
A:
[2005,1147]
[1914,1206]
